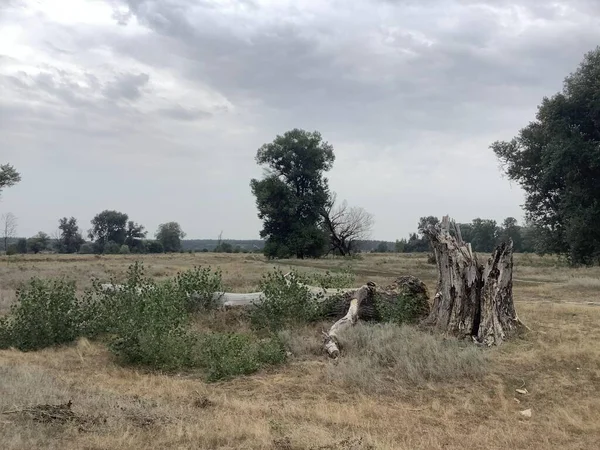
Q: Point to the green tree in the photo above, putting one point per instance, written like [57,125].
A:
[134,235]
[556,160]
[511,230]
[485,235]
[70,240]
[8,176]
[424,222]
[38,243]
[154,247]
[21,246]
[108,226]
[466,231]
[293,193]
[170,235]
[400,245]
[382,247]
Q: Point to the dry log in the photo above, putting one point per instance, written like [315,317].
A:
[472,300]
[331,344]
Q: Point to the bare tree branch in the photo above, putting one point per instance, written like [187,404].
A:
[346,225]
[9,228]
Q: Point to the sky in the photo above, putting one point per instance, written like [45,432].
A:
[156,108]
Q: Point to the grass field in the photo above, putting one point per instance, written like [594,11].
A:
[311,402]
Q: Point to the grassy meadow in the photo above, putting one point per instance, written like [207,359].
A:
[395,387]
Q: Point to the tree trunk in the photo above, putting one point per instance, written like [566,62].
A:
[331,344]
[472,300]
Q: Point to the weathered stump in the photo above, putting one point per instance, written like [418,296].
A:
[472,300]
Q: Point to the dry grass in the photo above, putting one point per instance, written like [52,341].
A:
[299,406]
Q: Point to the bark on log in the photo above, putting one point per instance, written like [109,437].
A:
[331,344]
[472,299]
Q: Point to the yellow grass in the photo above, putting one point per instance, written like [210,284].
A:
[298,406]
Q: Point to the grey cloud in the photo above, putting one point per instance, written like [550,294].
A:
[126,86]
[411,87]
[178,112]
[384,97]
[55,86]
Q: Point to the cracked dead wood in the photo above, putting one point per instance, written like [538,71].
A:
[331,344]
[472,299]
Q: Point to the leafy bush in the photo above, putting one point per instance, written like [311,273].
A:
[285,302]
[145,323]
[11,250]
[155,247]
[46,313]
[87,249]
[377,356]
[403,309]
[224,355]
[198,287]
[124,250]
[112,248]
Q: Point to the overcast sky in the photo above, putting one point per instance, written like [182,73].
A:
[156,107]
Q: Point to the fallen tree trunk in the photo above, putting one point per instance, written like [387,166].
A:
[405,300]
[472,300]
[331,344]
[233,299]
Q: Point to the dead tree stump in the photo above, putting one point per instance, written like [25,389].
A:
[472,300]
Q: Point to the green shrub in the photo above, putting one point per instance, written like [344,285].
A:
[111,248]
[404,309]
[225,355]
[284,303]
[11,250]
[155,247]
[87,249]
[146,322]
[124,250]
[198,287]
[46,313]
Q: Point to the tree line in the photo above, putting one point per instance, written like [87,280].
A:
[112,233]
[555,159]
[483,235]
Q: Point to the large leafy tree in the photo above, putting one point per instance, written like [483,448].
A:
[293,193]
[511,230]
[556,159]
[38,243]
[484,235]
[169,235]
[108,226]
[70,239]
[134,235]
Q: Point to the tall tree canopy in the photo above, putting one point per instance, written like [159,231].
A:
[293,193]
[70,239]
[134,235]
[108,226]
[556,159]
[169,235]
[38,243]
